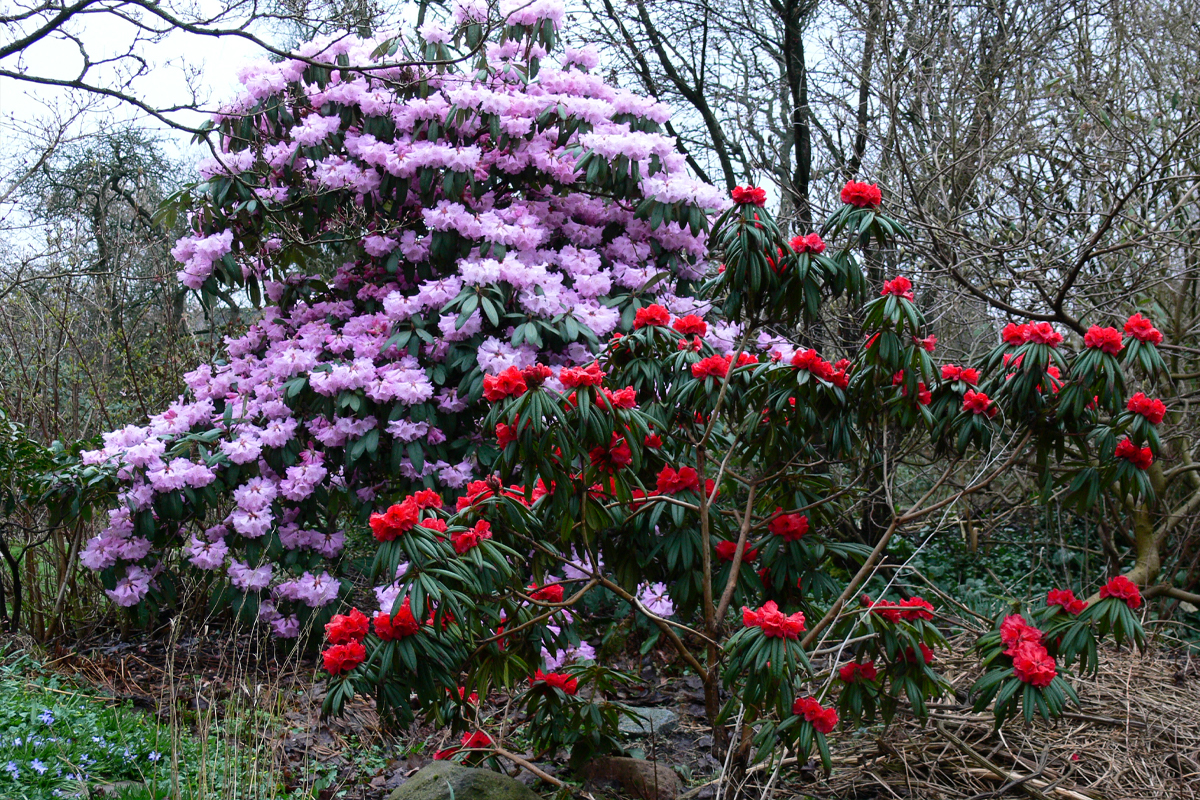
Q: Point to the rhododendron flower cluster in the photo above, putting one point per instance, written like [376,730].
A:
[1107,340]
[1152,410]
[750,195]
[1067,600]
[909,609]
[509,383]
[462,541]
[899,286]
[979,403]
[789,527]
[479,740]
[1140,457]
[862,195]
[402,623]
[347,627]
[968,375]
[1023,643]
[774,622]
[726,550]
[558,680]
[672,481]
[1143,330]
[823,719]
[809,243]
[1122,588]
[651,315]
[857,673]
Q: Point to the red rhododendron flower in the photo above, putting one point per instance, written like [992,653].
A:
[653,441]
[1152,410]
[551,593]
[811,243]
[690,325]
[1140,457]
[749,196]
[823,719]
[777,266]
[433,524]
[861,195]
[508,383]
[344,657]
[427,498]
[651,315]
[1067,599]
[910,655]
[855,672]
[968,375]
[350,627]
[1107,340]
[572,377]
[887,609]
[714,366]
[470,741]
[774,622]
[1122,588]
[505,434]
[790,526]
[726,549]
[928,344]
[1043,333]
[614,457]
[811,360]
[556,679]
[978,403]
[1055,376]
[1015,335]
[672,482]
[1014,630]
[462,541]
[1141,329]
[899,286]
[396,521]
[398,625]
[536,374]
[916,608]
[621,398]
[1032,664]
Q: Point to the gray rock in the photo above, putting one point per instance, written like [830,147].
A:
[656,721]
[645,779]
[443,780]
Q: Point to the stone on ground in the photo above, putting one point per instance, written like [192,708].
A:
[650,721]
[645,779]
[443,780]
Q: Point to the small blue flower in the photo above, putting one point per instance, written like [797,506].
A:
[46,717]
[12,768]
[154,755]
[38,767]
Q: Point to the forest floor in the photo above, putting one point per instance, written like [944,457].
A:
[1136,735]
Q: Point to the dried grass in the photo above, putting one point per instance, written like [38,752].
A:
[1135,737]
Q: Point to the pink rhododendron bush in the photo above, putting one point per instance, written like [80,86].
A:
[414,229]
[503,346]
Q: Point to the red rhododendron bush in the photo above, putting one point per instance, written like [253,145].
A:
[514,348]
[702,484]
